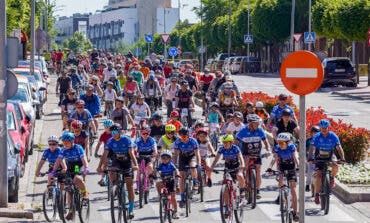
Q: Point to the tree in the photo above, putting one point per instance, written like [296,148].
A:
[78,42]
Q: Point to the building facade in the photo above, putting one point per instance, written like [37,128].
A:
[67,26]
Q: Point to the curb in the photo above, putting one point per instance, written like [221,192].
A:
[347,95]
[9,213]
[344,194]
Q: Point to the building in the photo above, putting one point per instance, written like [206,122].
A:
[67,26]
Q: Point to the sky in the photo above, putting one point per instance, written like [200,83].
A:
[69,7]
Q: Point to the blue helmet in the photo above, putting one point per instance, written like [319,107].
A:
[324,123]
[108,123]
[151,76]
[68,136]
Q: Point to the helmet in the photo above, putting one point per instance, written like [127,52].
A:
[76,124]
[249,104]
[115,126]
[184,83]
[199,123]
[227,138]
[253,118]
[238,115]
[170,128]
[110,83]
[53,139]
[174,114]
[80,102]
[215,104]
[151,76]
[140,96]
[184,131]
[259,104]
[156,116]
[120,99]
[202,130]
[228,85]
[283,96]
[89,87]
[108,123]
[68,136]
[71,90]
[206,69]
[284,136]
[166,153]
[315,128]
[324,123]
[286,112]
[145,129]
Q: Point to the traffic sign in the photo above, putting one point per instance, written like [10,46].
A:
[148,38]
[165,38]
[248,39]
[302,72]
[309,37]
[202,49]
[297,37]
[172,51]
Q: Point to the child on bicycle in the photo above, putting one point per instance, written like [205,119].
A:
[103,139]
[198,125]
[167,170]
[175,120]
[229,119]
[50,154]
[206,150]
[146,146]
[109,96]
[287,160]
[214,116]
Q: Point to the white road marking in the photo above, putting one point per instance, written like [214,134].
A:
[337,215]
[301,73]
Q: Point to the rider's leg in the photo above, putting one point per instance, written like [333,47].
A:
[80,184]
[241,179]
[149,168]
[292,186]
[258,176]
[193,171]
[317,181]
[131,195]
[334,170]
[181,185]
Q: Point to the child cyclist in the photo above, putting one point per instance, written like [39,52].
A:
[167,170]
[103,139]
[50,154]
[206,150]
[214,116]
[287,158]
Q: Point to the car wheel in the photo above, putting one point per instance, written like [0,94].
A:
[38,112]
[13,189]
[22,168]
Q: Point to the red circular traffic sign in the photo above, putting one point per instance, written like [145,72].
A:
[302,72]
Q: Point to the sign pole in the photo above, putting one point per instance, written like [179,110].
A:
[148,49]
[165,51]
[302,156]
[3,98]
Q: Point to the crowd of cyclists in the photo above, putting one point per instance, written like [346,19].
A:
[146,108]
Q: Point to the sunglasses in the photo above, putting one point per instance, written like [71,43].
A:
[71,93]
[144,133]
[52,144]
[115,132]
[173,81]
[170,133]
[282,143]
[184,136]
[79,107]
[66,142]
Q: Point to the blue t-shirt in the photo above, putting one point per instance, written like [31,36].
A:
[213,117]
[277,111]
[327,143]
[285,154]
[85,117]
[120,147]
[145,147]
[230,154]
[166,169]
[51,156]
[92,103]
[72,155]
[251,140]
[186,148]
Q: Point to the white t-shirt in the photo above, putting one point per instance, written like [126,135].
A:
[232,128]
[107,74]
[171,92]
[109,95]
[140,110]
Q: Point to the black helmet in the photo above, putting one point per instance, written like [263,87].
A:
[184,131]
[156,116]
[286,112]
[315,128]
[249,104]
[115,126]
[184,83]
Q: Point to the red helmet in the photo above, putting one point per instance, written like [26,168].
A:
[202,130]
[80,102]
[76,124]
[174,114]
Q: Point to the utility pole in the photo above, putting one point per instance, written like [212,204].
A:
[291,48]
[248,48]
[3,98]
[309,22]
[32,56]
[179,22]
[164,31]
[229,29]
[201,38]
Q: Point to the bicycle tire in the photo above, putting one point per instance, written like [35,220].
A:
[284,205]
[109,187]
[239,212]
[326,194]
[115,205]
[125,211]
[54,199]
[141,188]
[187,198]
[62,207]
[223,208]
[201,179]
[162,209]
[253,189]
[84,214]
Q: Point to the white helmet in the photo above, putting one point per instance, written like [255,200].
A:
[284,136]
[53,139]
[259,104]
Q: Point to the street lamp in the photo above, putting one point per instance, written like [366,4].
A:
[292,26]
[229,28]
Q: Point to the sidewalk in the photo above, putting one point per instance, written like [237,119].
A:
[362,92]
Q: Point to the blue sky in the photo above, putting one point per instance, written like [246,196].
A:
[68,7]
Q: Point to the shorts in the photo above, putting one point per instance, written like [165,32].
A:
[170,185]
[123,165]
[146,157]
[59,176]
[185,161]
[320,165]
[257,161]
[292,175]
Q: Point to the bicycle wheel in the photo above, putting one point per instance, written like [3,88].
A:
[284,206]
[239,211]
[187,198]
[253,189]
[141,188]
[225,209]
[49,204]
[115,205]
[84,210]
[109,187]
[163,209]
[64,208]
[201,180]
[124,203]
[325,195]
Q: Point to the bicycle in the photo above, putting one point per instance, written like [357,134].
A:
[325,186]
[214,135]
[165,201]
[142,181]
[51,194]
[202,179]
[77,202]
[251,182]
[118,197]
[232,203]
[188,192]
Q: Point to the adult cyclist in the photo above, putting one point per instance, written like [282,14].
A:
[92,103]
[84,116]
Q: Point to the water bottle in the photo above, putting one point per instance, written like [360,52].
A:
[77,169]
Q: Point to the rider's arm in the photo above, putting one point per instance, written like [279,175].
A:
[97,147]
[217,158]
[295,157]
[312,149]
[176,156]
[87,145]
[104,159]
[39,166]
[221,116]
[267,145]
[133,157]
[211,149]
[57,87]
[192,102]
[70,84]
[197,155]
[84,161]
[340,151]
[92,125]
[241,160]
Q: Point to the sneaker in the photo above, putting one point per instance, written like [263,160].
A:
[102,183]
[258,196]
[242,193]
[69,216]
[295,216]
[317,199]
[182,204]
[277,200]
[209,182]
[195,186]
[227,212]
[332,183]
[131,215]
[174,215]
[307,188]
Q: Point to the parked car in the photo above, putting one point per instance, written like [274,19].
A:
[235,66]
[40,82]
[251,65]
[17,134]
[13,170]
[227,64]
[339,71]
[218,62]
[31,104]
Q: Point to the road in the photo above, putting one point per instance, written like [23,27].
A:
[208,211]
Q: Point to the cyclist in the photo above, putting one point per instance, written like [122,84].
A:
[137,75]
[109,96]
[121,114]
[233,161]
[310,166]
[214,117]
[50,154]
[227,99]
[76,81]
[250,139]
[286,124]
[324,143]
[165,142]
[84,116]
[146,145]
[157,129]
[170,94]
[81,137]
[248,111]
[67,106]
[229,81]
[191,80]
[198,125]
[205,81]
[205,150]
[140,109]
[92,103]
[167,170]
[184,100]
[131,90]
[286,154]
[216,84]
[186,154]
[175,120]
[71,158]
[152,91]
[109,71]
[261,111]
[277,110]
[64,83]
[95,82]
[236,125]
[228,120]
[104,137]
[120,148]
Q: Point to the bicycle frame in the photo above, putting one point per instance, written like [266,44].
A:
[142,180]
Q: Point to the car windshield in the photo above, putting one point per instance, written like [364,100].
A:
[37,75]
[17,109]
[20,96]
[10,122]
[338,64]
[26,63]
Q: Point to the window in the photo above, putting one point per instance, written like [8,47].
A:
[10,121]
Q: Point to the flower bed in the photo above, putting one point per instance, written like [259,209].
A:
[354,174]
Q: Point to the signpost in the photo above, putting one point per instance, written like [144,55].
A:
[248,39]
[148,40]
[172,51]
[302,73]
[309,37]
[165,39]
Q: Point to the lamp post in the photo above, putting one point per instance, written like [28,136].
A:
[292,26]
[229,33]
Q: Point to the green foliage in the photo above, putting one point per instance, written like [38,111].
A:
[78,42]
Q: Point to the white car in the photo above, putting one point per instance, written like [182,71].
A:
[41,86]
